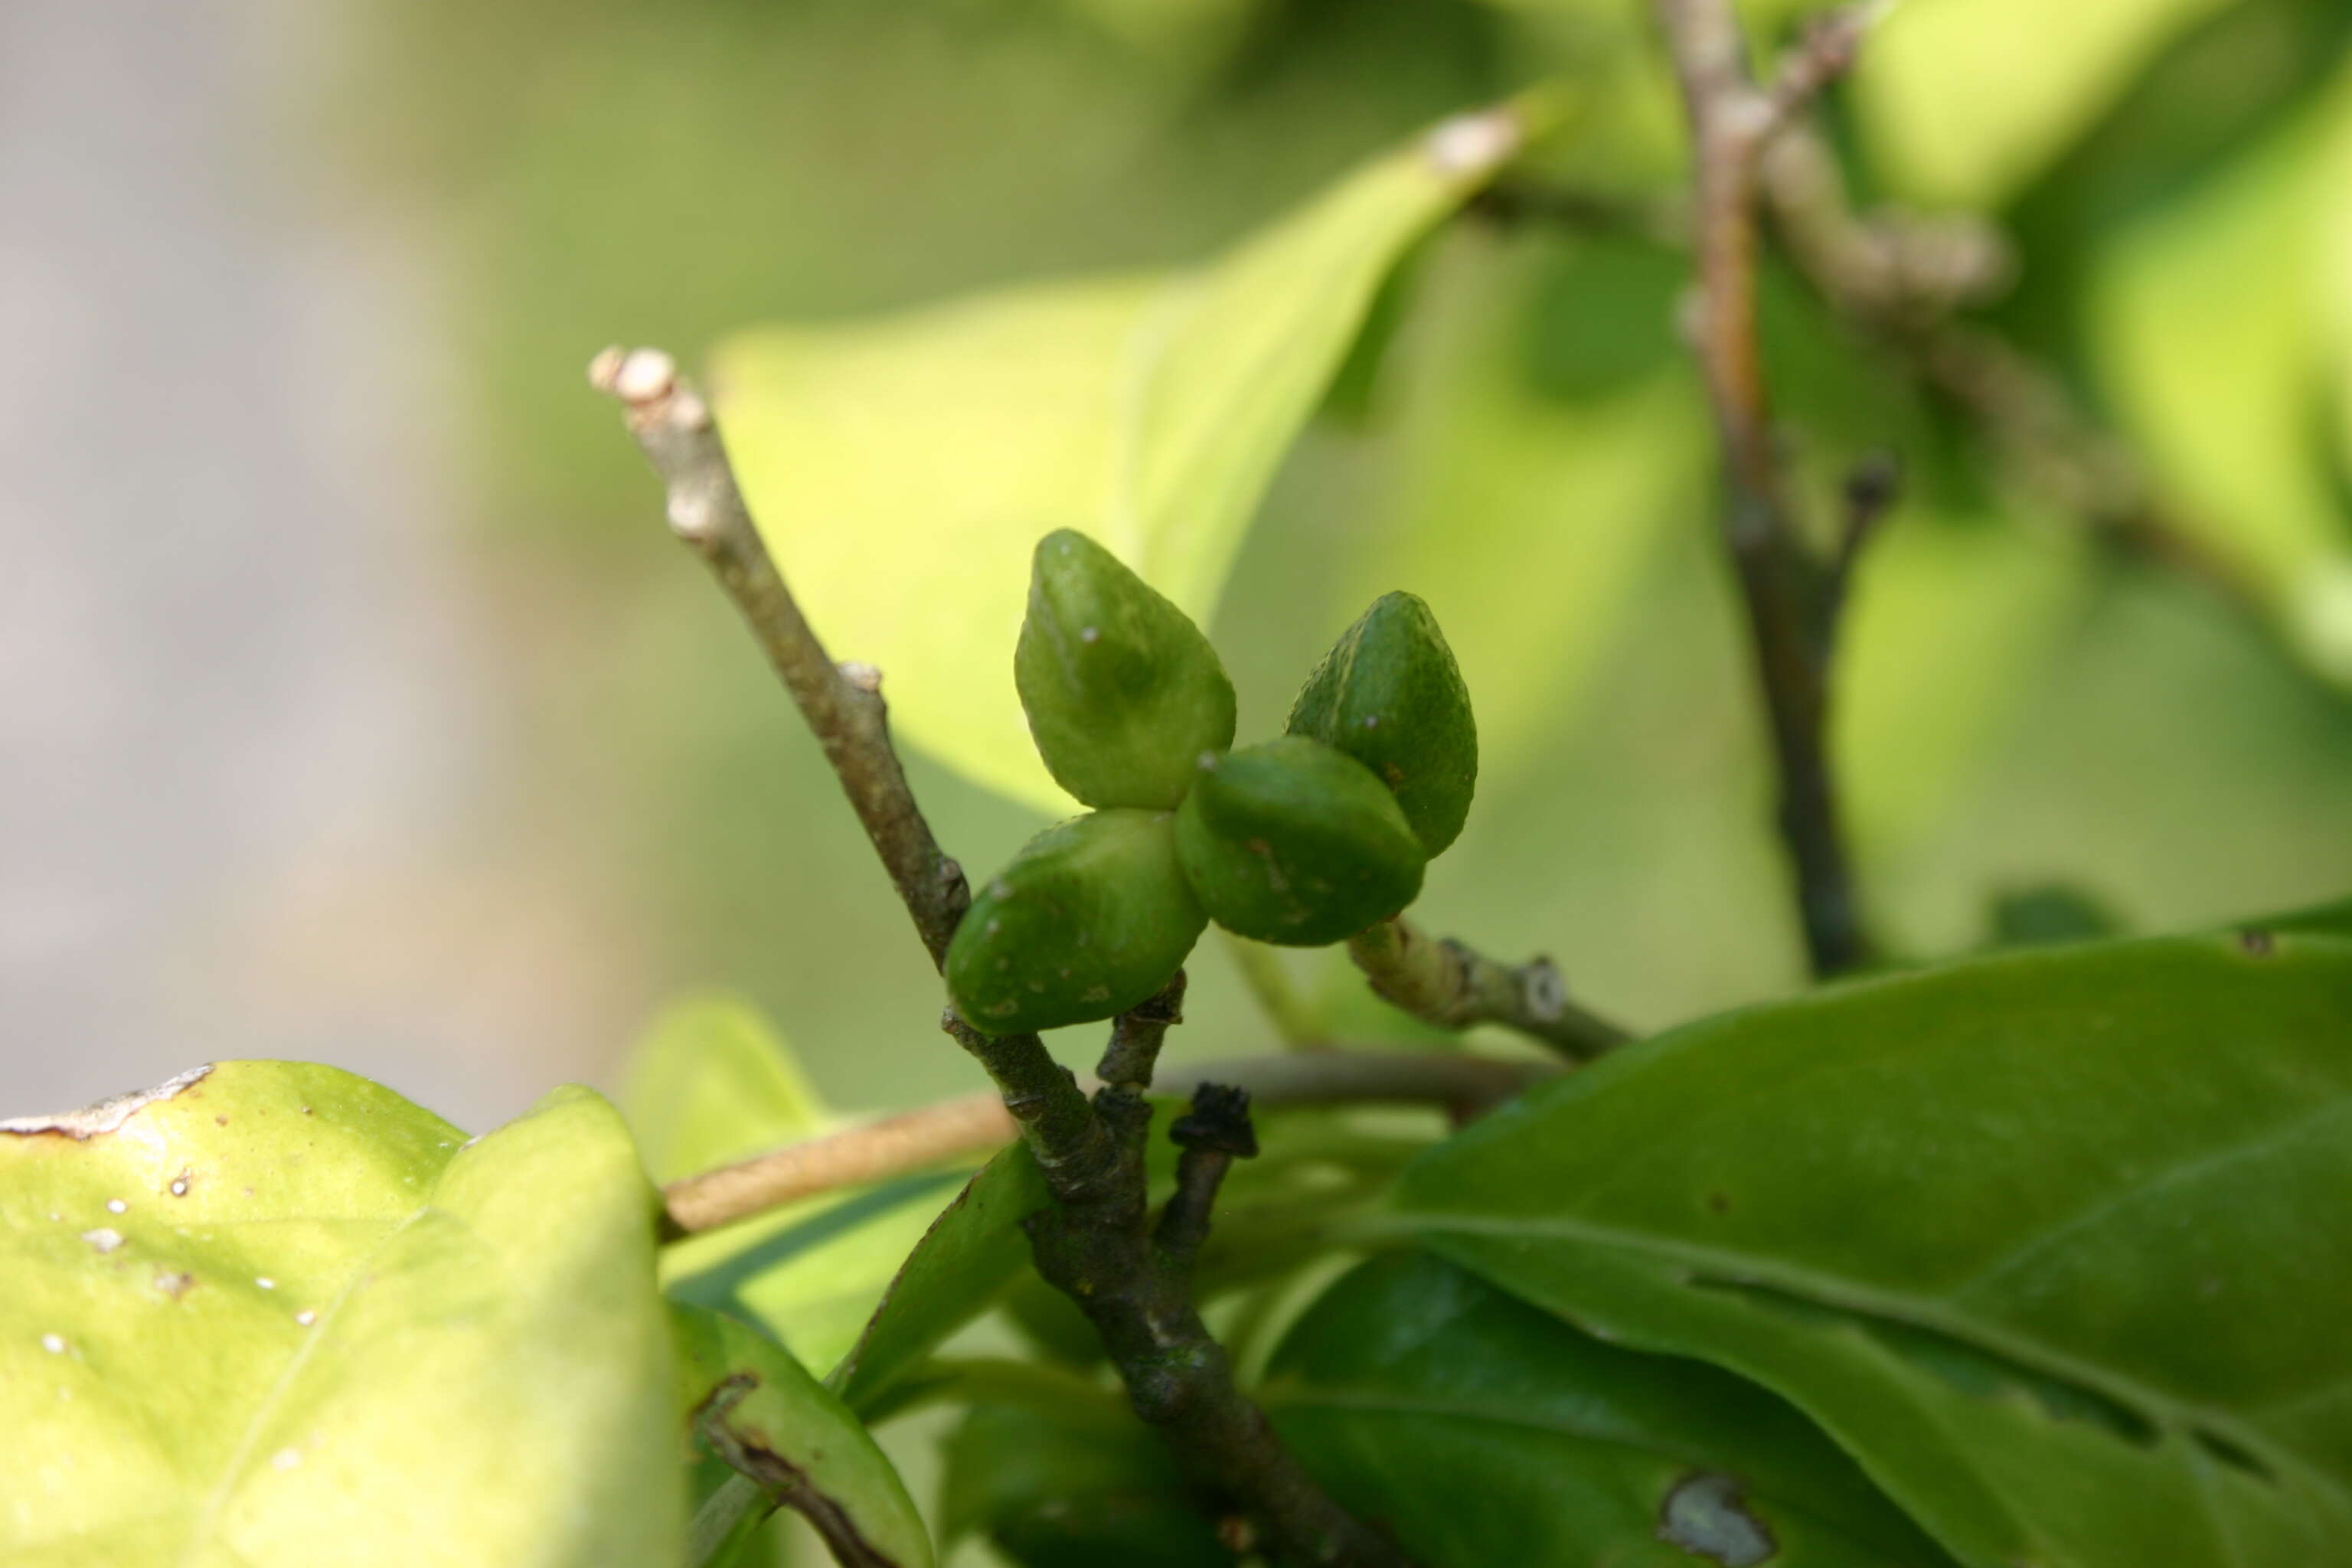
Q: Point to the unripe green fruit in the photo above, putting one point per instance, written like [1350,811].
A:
[1389,695]
[1091,918]
[1296,843]
[1122,691]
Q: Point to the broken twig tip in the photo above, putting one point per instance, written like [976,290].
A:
[638,376]
[1473,143]
[1545,991]
[605,370]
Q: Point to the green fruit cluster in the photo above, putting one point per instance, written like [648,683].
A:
[1301,841]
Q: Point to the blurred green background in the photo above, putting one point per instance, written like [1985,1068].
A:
[632,810]
[1531,458]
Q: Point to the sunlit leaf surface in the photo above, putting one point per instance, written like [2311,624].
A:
[274,1314]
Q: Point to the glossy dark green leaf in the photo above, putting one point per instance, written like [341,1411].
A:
[972,1252]
[1085,1486]
[745,1399]
[273,1314]
[2054,1243]
[1412,1385]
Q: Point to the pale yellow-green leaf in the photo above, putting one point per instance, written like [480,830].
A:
[1963,101]
[273,1314]
[902,468]
[711,1081]
[2210,320]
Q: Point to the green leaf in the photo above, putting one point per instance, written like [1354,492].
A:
[2049,912]
[748,1400]
[1078,1486]
[1963,101]
[712,1082]
[2334,919]
[1569,474]
[1148,411]
[2210,321]
[972,1252]
[2044,1241]
[811,1273]
[269,1311]
[1968,604]
[1410,1386]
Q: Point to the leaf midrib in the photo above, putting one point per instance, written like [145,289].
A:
[2175,1416]
[1297,1396]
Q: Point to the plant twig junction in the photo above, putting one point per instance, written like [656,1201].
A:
[1095,1242]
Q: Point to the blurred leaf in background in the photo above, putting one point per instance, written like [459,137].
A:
[2018,705]
[904,467]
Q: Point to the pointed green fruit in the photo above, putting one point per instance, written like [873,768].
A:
[1389,695]
[1090,918]
[1122,691]
[1295,842]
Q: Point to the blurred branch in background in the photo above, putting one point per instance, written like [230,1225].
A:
[1786,590]
[1900,279]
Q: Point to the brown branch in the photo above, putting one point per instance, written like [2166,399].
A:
[974,1124]
[1134,1284]
[842,704]
[844,709]
[1825,49]
[1731,121]
[1092,1242]
[1453,987]
[1899,278]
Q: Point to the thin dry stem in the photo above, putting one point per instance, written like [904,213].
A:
[975,1124]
